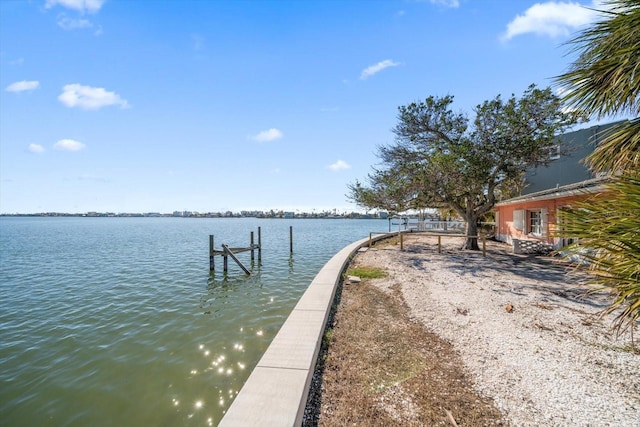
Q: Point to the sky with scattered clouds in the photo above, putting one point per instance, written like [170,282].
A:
[157,106]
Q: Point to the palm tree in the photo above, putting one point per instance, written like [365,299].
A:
[605,81]
[609,240]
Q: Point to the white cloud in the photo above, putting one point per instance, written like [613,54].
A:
[23,86]
[373,69]
[68,24]
[91,6]
[36,148]
[68,145]
[339,165]
[18,61]
[268,135]
[90,98]
[551,19]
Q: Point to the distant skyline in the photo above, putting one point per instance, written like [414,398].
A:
[214,106]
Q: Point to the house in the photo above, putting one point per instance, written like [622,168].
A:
[529,221]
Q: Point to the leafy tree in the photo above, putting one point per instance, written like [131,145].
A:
[387,192]
[605,81]
[440,159]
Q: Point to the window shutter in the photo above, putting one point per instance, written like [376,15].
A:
[518,219]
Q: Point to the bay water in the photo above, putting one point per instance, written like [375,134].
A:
[119,322]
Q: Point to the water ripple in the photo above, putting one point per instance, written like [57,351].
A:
[119,322]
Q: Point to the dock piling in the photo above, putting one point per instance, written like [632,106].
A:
[228,252]
[212,265]
[259,246]
[252,248]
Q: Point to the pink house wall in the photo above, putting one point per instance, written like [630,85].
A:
[505,228]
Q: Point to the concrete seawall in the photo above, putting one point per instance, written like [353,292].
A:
[275,393]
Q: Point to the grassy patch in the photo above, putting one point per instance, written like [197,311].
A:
[365,272]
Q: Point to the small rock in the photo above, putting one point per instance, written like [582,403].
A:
[354,279]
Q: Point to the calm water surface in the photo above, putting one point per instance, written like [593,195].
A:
[117,321]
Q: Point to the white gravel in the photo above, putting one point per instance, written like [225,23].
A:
[550,362]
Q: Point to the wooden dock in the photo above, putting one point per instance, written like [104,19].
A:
[226,252]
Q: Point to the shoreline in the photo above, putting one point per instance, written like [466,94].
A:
[529,337]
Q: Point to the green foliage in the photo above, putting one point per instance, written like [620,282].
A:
[367,272]
[620,150]
[387,192]
[440,159]
[608,229]
[605,80]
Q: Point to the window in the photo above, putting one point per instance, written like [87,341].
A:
[531,221]
[535,223]
[562,221]
[554,152]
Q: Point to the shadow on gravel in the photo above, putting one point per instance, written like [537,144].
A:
[555,279]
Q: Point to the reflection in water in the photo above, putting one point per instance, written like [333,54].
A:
[220,291]
[151,333]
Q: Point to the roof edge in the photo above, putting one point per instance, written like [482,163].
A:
[588,186]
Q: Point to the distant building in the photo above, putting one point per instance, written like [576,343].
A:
[528,221]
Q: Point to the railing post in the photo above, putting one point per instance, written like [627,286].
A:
[439,243]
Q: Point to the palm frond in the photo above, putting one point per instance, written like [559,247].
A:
[608,228]
[605,79]
[620,150]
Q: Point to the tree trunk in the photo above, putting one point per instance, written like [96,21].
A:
[472,234]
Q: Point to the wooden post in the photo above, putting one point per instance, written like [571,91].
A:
[225,263]
[251,243]
[439,243]
[212,266]
[401,241]
[484,246]
[290,239]
[229,252]
[259,246]
[370,238]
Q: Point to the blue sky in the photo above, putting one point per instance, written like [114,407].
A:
[156,106]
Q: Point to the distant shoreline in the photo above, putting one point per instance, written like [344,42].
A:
[268,215]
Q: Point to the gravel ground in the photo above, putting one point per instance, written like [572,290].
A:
[528,335]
